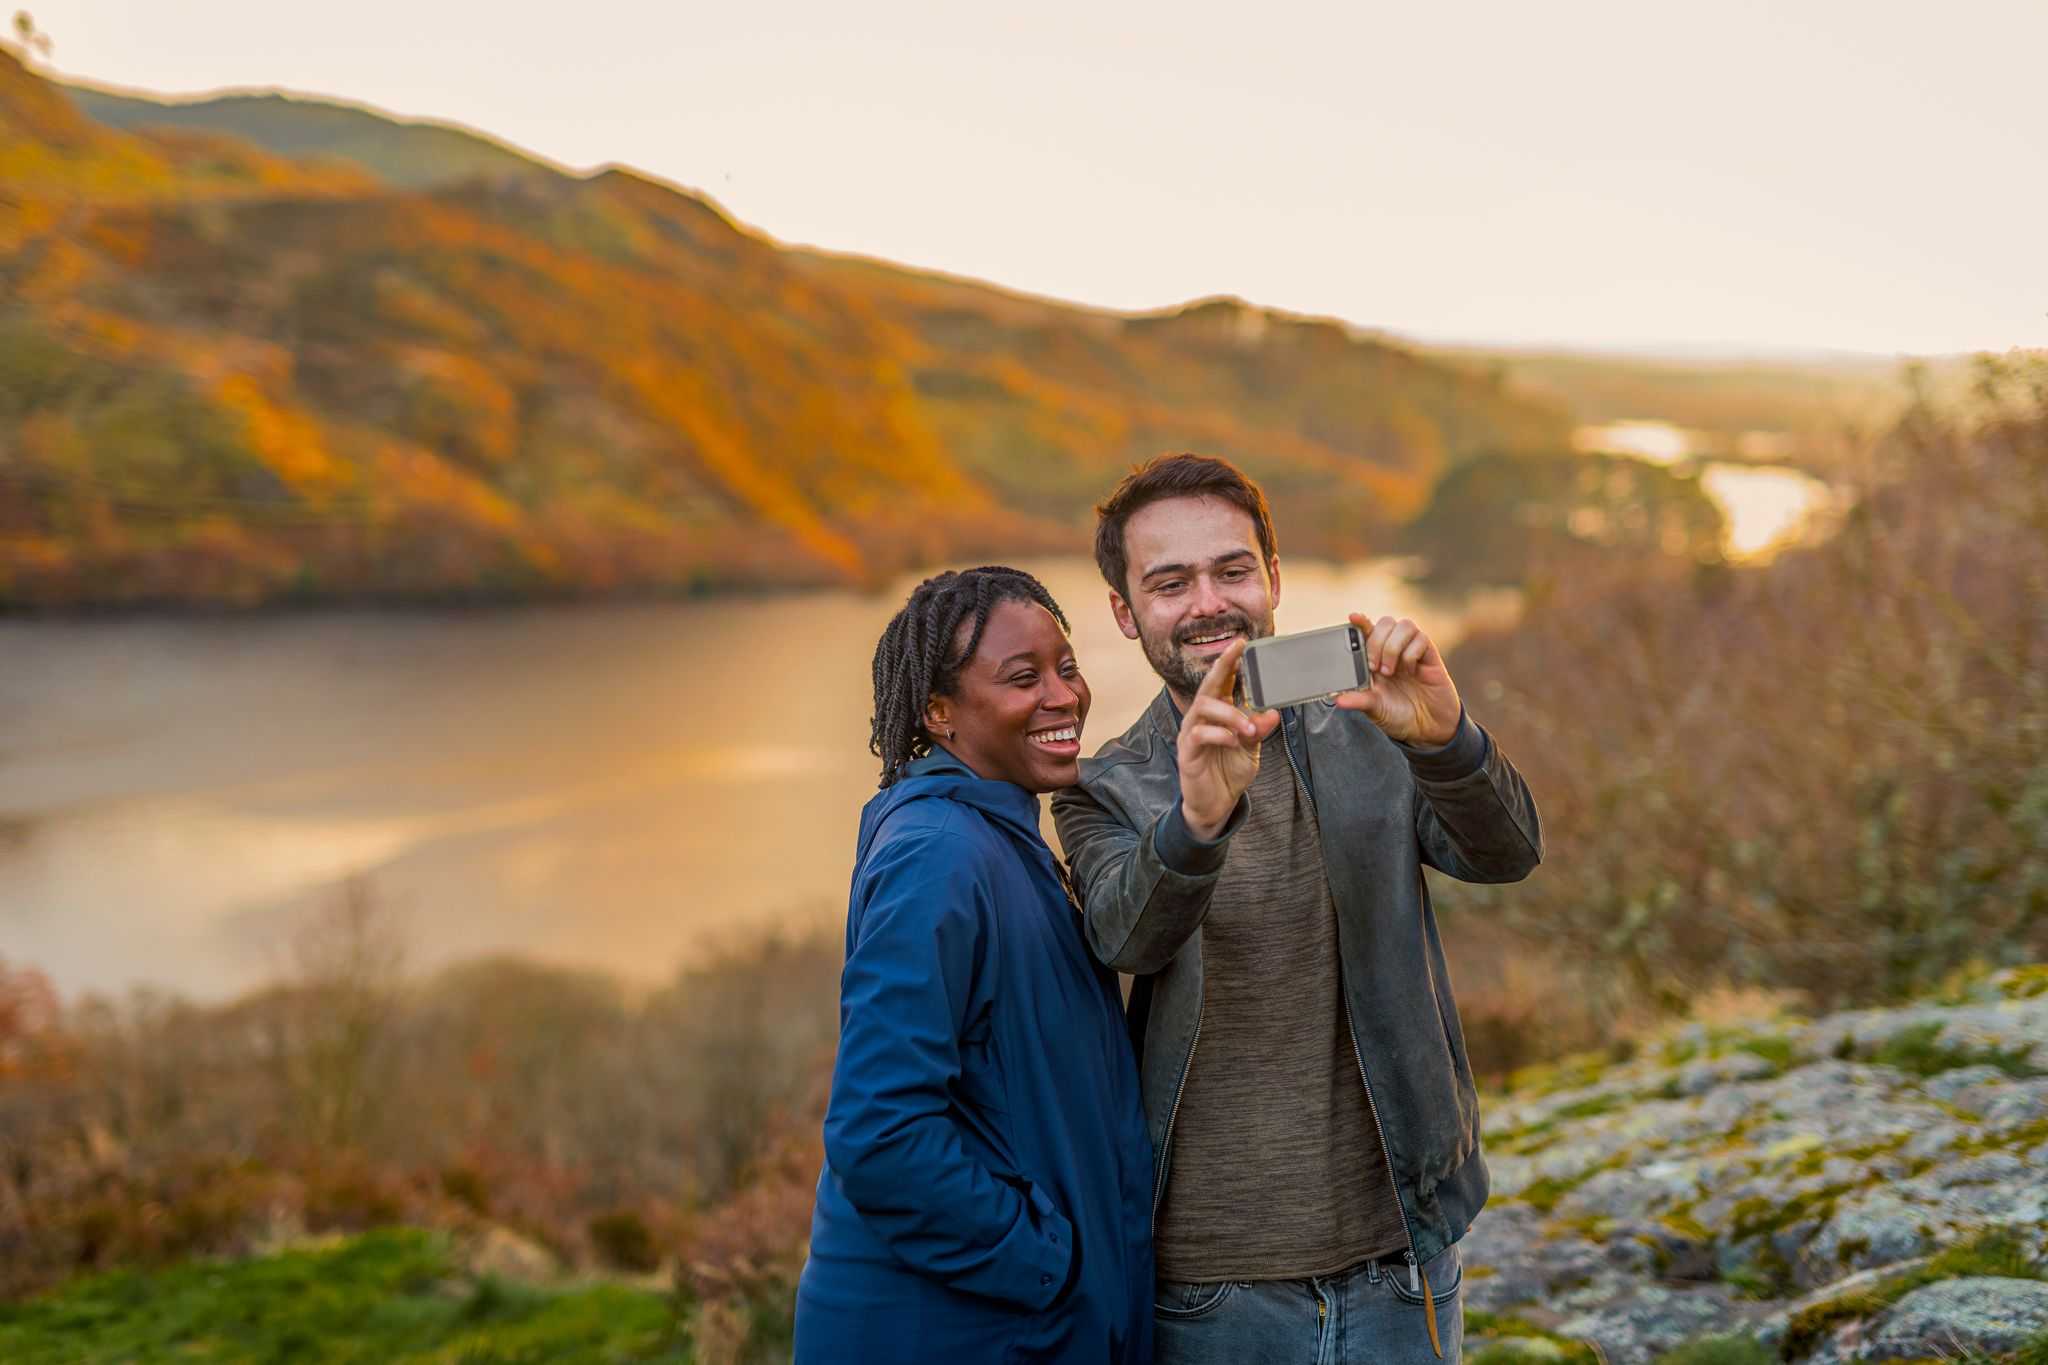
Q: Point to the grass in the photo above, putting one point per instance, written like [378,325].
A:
[1775,1049]
[1719,1350]
[390,1295]
[1504,1339]
[1918,1051]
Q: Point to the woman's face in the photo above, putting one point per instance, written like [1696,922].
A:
[1017,709]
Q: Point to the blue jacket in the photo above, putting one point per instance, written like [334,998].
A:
[986,1194]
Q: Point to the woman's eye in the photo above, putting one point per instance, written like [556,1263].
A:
[1024,680]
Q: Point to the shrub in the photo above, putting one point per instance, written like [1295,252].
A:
[624,1241]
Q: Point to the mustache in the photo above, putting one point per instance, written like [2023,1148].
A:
[1235,621]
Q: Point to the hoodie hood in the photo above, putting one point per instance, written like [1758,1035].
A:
[940,776]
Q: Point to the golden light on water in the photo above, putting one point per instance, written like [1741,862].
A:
[1658,442]
[1766,505]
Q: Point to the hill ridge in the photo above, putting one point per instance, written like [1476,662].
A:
[262,379]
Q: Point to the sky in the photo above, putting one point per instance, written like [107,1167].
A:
[1802,174]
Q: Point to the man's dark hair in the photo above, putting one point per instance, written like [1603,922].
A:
[1175,476]
[915,659]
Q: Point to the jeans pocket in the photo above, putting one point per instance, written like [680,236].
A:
[1443,1272]
[1181,1302]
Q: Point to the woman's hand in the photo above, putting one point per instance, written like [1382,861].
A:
[1218,748]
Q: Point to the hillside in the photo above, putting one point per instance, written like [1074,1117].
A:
[408,153]
[1811,410]
[542,383]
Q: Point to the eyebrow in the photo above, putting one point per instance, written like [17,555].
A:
[1026,656]
[1158,569]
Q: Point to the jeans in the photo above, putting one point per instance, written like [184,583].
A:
[1364,1314]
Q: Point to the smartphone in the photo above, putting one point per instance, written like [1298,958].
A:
[1287,670]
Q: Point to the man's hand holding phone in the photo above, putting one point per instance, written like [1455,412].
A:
[1218,749]
[1412,698]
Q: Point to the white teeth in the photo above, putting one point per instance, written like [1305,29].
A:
[1055,736]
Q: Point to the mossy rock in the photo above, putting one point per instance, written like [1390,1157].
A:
[1728,1349]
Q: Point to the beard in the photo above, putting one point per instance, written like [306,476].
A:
[1182,671]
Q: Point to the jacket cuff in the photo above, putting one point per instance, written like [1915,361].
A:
[1058,1274]
[1462,756]
[1182,852]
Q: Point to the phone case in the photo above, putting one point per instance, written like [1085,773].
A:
[1288,670]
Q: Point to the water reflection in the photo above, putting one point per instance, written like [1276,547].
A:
[1766,505]
[612,786]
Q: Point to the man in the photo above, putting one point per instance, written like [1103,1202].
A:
[1313,1117]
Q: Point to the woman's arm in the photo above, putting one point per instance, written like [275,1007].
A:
[891,1141]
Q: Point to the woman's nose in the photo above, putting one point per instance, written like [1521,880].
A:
[1059,694]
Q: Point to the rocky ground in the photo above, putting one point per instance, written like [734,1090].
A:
[1868,1186]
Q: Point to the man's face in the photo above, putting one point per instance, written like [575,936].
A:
[1197,582]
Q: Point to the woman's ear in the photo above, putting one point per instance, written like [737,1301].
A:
[938,718]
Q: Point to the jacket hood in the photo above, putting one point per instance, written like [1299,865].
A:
[939,775]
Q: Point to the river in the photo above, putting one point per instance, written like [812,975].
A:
[621,786]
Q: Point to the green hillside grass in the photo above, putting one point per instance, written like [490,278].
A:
[410,153]
[386,1296]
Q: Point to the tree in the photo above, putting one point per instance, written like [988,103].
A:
[34,42]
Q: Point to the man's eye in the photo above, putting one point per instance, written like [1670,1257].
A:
[1232,575]
[1170,585]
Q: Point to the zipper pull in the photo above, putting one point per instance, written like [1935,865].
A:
[1414,1275]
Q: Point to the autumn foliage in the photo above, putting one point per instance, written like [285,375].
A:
[226,376]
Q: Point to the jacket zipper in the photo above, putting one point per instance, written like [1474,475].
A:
[1415,1285]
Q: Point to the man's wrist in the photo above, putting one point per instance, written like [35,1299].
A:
[1186,852]
[1463,754]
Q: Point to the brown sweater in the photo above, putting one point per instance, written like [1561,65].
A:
[1278,1172]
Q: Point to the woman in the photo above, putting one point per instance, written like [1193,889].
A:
[987,1186]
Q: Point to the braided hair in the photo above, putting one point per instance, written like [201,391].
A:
[915,659]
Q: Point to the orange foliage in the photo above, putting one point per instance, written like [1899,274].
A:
[547,383]
[289,441]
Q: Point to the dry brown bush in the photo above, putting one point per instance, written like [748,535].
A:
[1828,774]
[348,1096]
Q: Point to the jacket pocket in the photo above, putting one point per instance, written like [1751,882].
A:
[1445,1272]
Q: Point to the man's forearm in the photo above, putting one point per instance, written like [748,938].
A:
[1144,893]
[1474,816]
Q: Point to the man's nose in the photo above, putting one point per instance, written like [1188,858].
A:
[1208,601]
